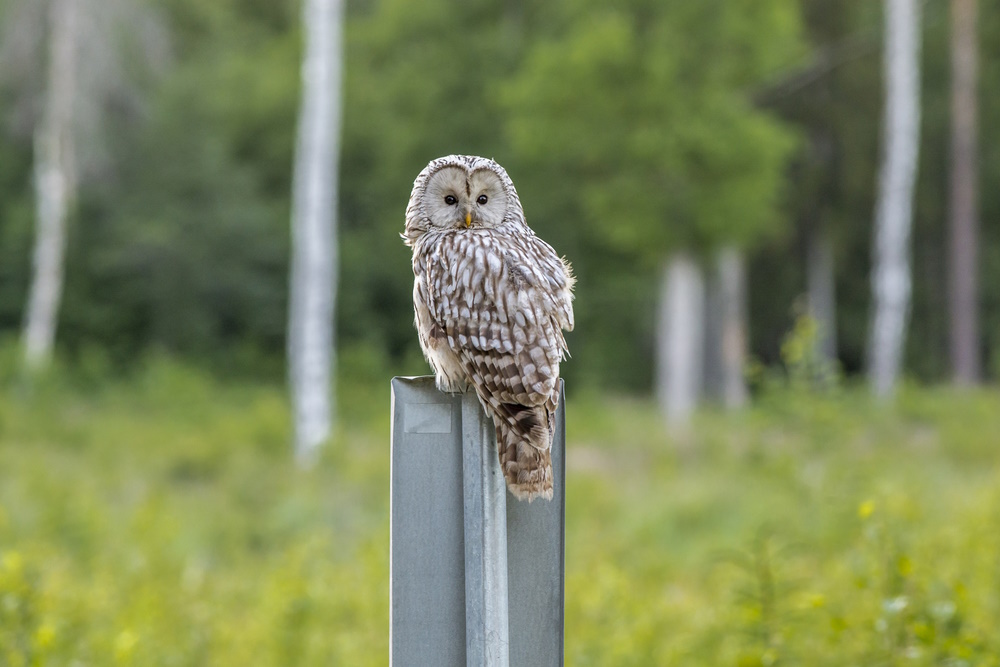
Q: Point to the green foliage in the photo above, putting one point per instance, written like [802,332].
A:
[421,83]
[645,131]
[634,128]
[805,369]
[16,230]
[158,520]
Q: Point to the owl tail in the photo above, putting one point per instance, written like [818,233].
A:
[524,440]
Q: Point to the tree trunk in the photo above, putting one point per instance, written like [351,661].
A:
[726,330]
[679,338]
[732,281]
[822,292]
[964,215]
[891,280]
[314,205]
[55,185]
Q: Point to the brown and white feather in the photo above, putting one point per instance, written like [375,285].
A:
[491,301]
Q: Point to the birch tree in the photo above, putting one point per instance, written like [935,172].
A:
[963,214]
[891,279]
[85,53]
[314,205]
[680,338]
[55,184]
[701,333]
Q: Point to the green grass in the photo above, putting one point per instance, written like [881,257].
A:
[806,531]
[159,520]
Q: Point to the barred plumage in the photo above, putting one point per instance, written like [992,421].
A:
[491,300]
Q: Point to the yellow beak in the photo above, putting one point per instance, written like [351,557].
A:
[468,219]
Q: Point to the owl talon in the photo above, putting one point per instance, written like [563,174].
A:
[452,386]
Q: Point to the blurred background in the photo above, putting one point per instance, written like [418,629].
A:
[782,404]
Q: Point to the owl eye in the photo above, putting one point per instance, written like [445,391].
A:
[450,200]
[482,199]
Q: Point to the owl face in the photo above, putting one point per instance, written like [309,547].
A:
[459,198]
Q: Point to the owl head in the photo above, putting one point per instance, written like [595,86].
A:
[462,192]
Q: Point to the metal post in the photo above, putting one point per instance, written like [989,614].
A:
[476,576]
[486,632]
[536,549]
[426,547]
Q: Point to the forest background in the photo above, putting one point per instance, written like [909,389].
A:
[752,126]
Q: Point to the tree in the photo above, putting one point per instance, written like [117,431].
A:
[726,328]
[822,290]
[680,329]
[313,283]
[963,215]
[55,183]
[891,280]
[91,55]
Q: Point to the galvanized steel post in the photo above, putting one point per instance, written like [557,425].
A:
[476,576]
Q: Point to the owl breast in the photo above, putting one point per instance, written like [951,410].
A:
[482,319]
[454,293]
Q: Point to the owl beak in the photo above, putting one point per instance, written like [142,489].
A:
[468,219]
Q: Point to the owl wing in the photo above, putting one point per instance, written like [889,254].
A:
[552,276]
[502,304]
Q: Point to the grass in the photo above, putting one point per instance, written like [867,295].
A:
[158,520]
[806,531]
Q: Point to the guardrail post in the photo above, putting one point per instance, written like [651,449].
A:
[486,630]
[476,575]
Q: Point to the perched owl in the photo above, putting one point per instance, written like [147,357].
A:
[491,300]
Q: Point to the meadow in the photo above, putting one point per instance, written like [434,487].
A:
[158,519]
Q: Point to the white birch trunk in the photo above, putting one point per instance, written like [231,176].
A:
[894,209]
[679,338]
[314,206]
[55,185]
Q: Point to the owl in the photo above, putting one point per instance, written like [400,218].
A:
[491,301]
